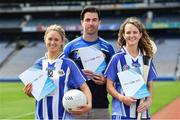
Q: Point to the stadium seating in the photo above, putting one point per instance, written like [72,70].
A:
[21,60]
[166,58]
[5,51]
[26,20]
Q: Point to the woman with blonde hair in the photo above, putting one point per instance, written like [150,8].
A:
[64,73]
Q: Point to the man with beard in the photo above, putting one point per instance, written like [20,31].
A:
[90,21]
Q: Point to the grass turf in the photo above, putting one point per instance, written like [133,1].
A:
[164,93]
[14,104]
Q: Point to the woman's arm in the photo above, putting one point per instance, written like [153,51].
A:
[85,89]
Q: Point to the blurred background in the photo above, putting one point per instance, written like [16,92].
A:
[22,27]
[23,22]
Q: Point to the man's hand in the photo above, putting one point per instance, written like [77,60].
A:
[98,79]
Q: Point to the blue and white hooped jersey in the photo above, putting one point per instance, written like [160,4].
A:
[66,75]
[122,60]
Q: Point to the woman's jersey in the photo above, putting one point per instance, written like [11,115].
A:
[66,75]
[121,61]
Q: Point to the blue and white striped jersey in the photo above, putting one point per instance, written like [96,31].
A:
[122,60]
[66,75]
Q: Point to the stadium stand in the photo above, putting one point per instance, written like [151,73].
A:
[5,52]
[20,60]
[26,20]
[165,59]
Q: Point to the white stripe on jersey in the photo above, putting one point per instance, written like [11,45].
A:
[119,67]
[45,112]
[55,103]
[144,114]
[66,89]
[66,80]
[36,113]
[132,111]
[154,70]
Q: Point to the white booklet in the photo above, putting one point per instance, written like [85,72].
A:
[41,84]
[92,58]
[133,84]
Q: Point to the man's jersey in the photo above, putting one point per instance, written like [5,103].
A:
[99,93]
[121,61]
[66,75]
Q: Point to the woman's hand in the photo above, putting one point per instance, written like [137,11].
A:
[144,105]
[85,108]
[28,89]
[128,100]
[81,110]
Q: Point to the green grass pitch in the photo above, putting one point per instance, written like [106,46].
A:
[164,93]
[14,104]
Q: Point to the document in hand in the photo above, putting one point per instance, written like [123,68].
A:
[41,84]
[133,84]
[92,59]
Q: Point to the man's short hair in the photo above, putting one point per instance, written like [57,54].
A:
[90,9]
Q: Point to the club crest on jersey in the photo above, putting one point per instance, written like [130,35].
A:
[61,73]
[126,67]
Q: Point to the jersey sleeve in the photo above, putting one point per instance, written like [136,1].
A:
[111,70]
[111,49]
[76,77]
[152,72]
[38,63]
[67,50]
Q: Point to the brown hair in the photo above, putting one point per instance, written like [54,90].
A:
[90,9]
[144,43]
